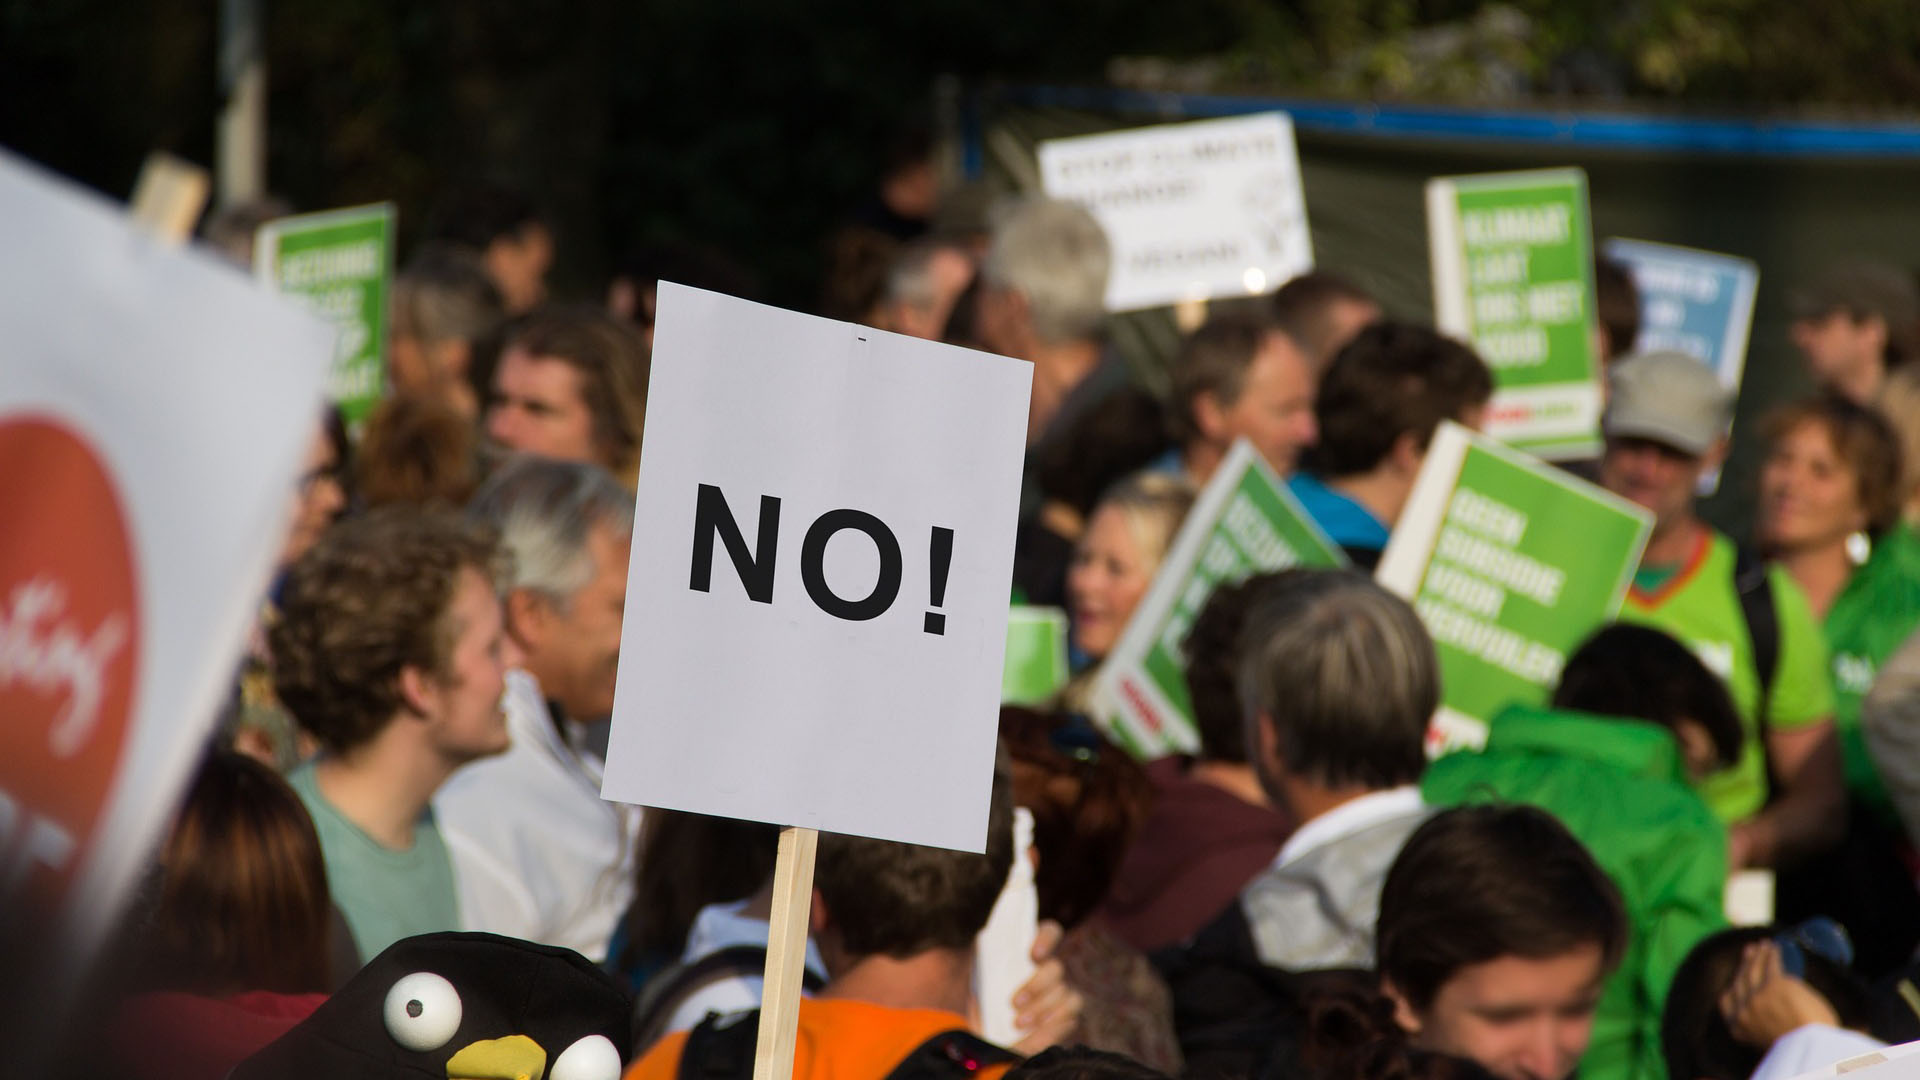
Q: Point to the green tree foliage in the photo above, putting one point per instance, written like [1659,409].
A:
[753,125]
[1718,53]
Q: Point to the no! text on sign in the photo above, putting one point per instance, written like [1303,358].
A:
[1194,211]
[1511,563]
[823,551]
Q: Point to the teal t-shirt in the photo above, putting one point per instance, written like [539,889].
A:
[1618,786]
[385,894]
[1700,606]
[1876,612]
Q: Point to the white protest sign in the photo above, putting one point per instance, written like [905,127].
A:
[1194,211]
[1889,1063]
[155,405]
[822,559]
[1003,950]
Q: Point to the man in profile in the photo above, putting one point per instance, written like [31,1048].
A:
[538,853]
[1042,299]
[1855,323]
[1237,377]
[391,651]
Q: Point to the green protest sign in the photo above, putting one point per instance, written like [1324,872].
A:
[1512,261]
[1245,522]
[1036,666]
[1511,563]
[340,263]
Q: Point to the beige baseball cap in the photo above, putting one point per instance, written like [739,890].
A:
[1668,397]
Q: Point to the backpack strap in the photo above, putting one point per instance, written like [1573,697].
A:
[1754,587]
[951,1055]
[668,991]
[720,1048]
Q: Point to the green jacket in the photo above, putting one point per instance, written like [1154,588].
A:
[1619,786]
[1877,611]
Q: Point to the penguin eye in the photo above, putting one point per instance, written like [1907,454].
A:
[422,1012]
[591,1058]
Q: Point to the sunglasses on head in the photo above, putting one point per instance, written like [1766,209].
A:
[1819,936]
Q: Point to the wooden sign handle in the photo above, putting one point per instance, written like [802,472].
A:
[168,197]
[786,953]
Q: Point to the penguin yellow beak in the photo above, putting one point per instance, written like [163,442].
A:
[515,1057]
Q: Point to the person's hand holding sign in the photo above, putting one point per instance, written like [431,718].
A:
[1047,1008]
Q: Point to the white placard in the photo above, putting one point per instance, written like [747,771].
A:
[155,406]
[1194,211]
[1888,1063]
[1003,950]
[791,653]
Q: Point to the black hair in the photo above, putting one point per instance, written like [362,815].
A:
[1476,883]
[1392,379]
[474,217]
[1694,1036]
[1643,674]
[1213,663]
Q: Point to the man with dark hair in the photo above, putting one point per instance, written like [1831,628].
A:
[506,231]
[1378,406]
[895,924]
[1238,377]
[1855,323]
[1322,311]
[572,385]
[391,651]
[1211,827]
[1616,302]
[1665,424]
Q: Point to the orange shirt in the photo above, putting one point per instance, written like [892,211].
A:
[838,1040]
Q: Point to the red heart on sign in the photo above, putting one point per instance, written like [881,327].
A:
[69,654]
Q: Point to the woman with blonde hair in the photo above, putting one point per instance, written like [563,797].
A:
[1114,563]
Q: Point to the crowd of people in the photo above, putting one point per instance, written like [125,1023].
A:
[415,741]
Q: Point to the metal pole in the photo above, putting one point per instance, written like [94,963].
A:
[241,157]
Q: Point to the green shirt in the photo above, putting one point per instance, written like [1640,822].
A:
[1876,611]
[1618,786]
[385,894]
[1700,606]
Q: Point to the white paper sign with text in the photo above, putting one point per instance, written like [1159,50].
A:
[155,405]
[1195,211]
[822,559]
